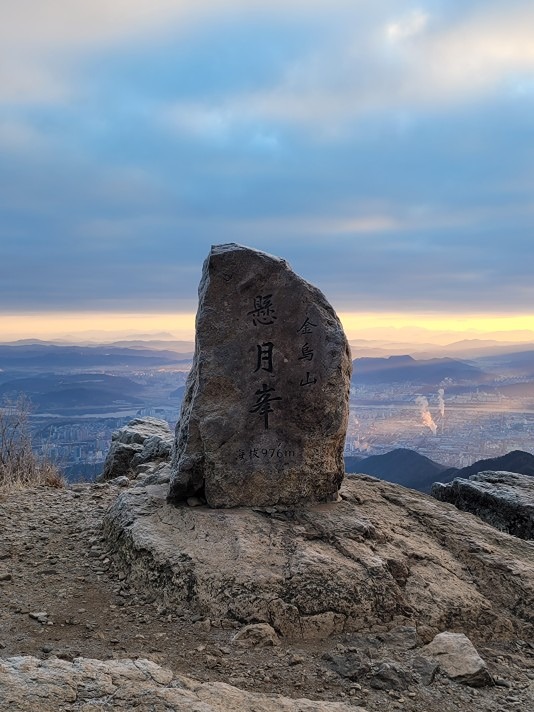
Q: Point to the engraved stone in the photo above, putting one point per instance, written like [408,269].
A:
[265,411]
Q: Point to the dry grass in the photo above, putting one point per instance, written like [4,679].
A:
[20,467]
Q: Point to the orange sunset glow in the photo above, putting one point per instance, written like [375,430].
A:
[441,328]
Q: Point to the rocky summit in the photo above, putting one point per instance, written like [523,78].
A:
[143,440]
[345,605]
[265,411]
[382,556]
[504,499]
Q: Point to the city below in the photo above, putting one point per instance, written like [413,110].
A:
[453,410]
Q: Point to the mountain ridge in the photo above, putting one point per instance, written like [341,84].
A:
[411,469]
[405,368]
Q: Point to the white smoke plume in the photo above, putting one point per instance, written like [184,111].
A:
[426,417]
[441,401]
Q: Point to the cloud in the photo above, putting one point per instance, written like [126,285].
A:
[376,61]
[385,149]
[38,41]
[19,137]
[410,26]
[42,43]
[364,58]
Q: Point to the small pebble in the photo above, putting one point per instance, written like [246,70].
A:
[500,682]
[39,615]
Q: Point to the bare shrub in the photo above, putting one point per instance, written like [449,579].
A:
[20,467]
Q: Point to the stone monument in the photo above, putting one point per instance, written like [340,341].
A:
[265,411]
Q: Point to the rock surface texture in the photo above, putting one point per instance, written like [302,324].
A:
[382,556]
[143,440]
[503,499]
[265,411]
[458,659]
[28,684]
[65,595]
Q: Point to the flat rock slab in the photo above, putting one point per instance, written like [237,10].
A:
[28,684]
[383,556]
[503,499]
[265,411]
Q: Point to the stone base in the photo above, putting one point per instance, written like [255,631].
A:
[381,557]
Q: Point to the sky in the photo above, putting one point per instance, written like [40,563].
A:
[385,149]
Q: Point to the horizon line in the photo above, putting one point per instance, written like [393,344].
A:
[181,325]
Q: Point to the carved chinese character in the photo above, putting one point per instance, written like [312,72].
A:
[307,327]
[308,381]
[307,353]
[265,357]
[263,312]
[263,403]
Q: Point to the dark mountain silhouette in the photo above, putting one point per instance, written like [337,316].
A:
[515,461]
[401,466]
[395,369]
[351,463]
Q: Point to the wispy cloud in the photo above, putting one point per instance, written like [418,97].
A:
[414,60]
[19,137]
[411,25]
[368,57]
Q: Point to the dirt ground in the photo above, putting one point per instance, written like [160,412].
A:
[61,595]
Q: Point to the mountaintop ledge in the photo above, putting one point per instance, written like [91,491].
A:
[382,556]
[503,499]
[76,618]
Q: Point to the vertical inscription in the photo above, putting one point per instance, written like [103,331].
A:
[264,314]
[307,351]
[310,380]
[307,327]
[263,403]
[265,357]
[266,399]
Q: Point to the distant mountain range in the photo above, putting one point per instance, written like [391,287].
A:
[471,349]
[410,469]
[36,355]
[398,369]
[64,393]
[493,344]
[50,356]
